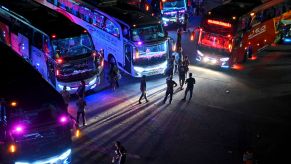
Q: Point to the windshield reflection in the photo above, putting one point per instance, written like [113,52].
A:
[72,46]
[148,33]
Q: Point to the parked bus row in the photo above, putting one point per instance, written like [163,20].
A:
[130,38]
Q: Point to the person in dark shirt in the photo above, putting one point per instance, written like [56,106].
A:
[81,104]
[182,77]
[185,23]
[143,88]
[81,89]
[170,89]
[190,86]
[120,154]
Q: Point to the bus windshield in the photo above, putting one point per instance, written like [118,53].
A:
[40,132]
[73,46]
[151,51]
[147,33]
[215,41]
[174,4]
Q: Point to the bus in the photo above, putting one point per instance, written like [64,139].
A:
[219,32]
[133,40]
[34,124]
[173,11]
[265,26]
[60,50]
[225,39]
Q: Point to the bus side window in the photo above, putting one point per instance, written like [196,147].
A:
[111,28]
[97,19]
[125,31]
[37,40]
[268,14]
[84,14]
[74,10]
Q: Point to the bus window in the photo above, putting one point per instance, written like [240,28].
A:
[215,41]
[37,40]
[84,14]
[74,10]
[125,31]
[111,28]
[73,46]
[269,14]
[148,33]
[97,19]
[257,19]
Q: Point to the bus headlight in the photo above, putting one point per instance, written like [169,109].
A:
[92,81]
[224,59]
[165,19]
[65,155]
[61,87]
[200,53]
[138,69]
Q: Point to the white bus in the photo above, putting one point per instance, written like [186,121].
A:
[132,39]
[60,50]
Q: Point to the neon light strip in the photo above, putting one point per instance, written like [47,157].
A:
[224,24]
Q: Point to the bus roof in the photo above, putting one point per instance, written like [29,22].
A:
[267,5]
[43,18]
[232,9]
[20,82]
[126,13]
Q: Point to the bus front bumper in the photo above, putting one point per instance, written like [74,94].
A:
[212,60]
[72,87]
[64,158]
[150,70]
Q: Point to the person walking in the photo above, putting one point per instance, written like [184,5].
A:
[81,104]
[190,86]
[186,63]
[120,153]
[143,88]
[114,77]
[66,96]
[181,75]
[170,66]
[170,89]
[179,38]
[81,89]
[185,22]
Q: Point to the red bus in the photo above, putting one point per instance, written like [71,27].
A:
[233,32]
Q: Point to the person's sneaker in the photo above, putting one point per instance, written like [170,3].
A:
[139,102]
[183,99]
[147,100]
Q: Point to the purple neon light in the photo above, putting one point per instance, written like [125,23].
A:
[18,129]
[139,43]
[63,119]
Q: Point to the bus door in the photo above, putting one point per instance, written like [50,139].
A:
[128,50]
[37,55]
